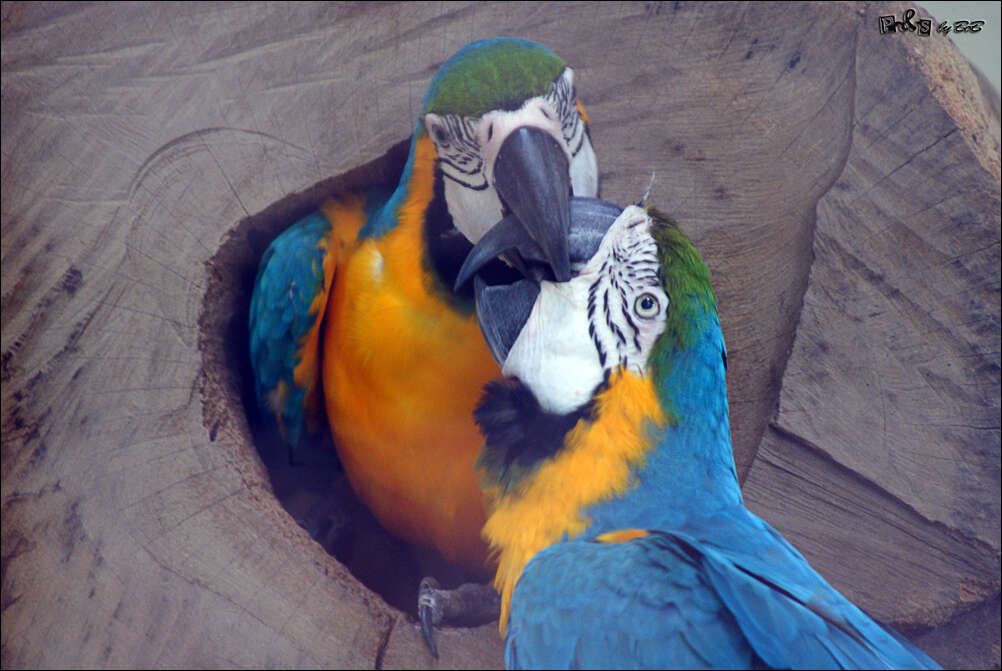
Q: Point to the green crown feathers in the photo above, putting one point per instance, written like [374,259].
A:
[499,73]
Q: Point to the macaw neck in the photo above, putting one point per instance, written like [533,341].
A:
[693,450]
[414,187]
[609,474]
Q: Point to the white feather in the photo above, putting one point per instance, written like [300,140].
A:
[554,355]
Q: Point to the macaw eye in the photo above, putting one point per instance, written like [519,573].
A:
[647,306]
[441,135]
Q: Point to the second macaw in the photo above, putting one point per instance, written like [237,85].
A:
[616,510]
[354,310]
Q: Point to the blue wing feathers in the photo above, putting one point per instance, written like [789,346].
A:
[290,276]
[687,600]
[789,613]
[623,605]
[288,302]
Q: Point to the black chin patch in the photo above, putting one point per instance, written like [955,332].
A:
[519,434]
[446,248]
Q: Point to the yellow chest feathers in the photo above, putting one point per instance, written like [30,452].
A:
[389,309]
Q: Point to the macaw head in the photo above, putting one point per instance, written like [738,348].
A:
[511,137]
[640,294]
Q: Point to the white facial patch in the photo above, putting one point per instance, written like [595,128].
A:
[584,170]
[607,316]
[554,355]
[473,212]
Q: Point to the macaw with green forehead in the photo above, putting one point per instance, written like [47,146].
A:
[354,311]
[623,540]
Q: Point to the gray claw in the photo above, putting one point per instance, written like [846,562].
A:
[429,612]
[469,605]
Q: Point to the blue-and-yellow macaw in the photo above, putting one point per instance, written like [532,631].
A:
[616,510]
[353,309]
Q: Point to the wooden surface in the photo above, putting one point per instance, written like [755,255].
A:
[843,186]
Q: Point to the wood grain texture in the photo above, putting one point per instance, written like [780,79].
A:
[842,185]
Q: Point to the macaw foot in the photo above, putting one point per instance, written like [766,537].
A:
[469,605]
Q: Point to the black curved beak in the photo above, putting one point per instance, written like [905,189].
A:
[532,177]
[503,310]
[590,220]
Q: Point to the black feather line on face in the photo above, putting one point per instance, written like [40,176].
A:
[632,325]
[459,151]
[475,187]
[610,322]
[475,170]
[564,100]
[519,434]
[592,290]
